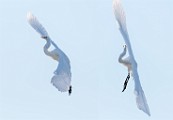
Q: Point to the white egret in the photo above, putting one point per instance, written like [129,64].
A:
[121,19]
[62,75]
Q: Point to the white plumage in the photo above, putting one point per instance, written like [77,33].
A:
[62,75]
[121,19]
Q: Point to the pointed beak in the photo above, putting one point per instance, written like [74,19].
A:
[44,37]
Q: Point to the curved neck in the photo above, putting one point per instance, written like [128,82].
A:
[46,47]
[122,55]
[127,41]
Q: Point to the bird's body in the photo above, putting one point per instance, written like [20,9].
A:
[131,64]
[62,75]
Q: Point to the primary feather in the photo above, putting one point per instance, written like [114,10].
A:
[36,25]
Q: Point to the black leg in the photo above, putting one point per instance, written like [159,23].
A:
[126,81]
[70,90]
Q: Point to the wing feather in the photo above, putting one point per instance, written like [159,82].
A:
[62,76]
[119,15]
[32,20]
[61,82]
[141,101]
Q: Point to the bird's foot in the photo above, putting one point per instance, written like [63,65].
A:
[126,81]
[70,90]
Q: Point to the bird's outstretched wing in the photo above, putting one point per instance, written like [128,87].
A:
[120,15]
[36,25]
[61,82]
[141,101]
[62,75]
[121,19]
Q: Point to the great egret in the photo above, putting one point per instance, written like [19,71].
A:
[121,19]
[62,75]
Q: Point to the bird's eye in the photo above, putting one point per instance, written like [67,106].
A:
[124,46]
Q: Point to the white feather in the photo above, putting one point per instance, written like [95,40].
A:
[141,101]
[36,25]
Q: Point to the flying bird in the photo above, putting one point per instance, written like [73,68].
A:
[62,75]
[130,63]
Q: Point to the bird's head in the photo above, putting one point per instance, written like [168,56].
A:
[44,37]
[124,46]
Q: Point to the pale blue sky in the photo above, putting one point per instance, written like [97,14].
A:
[87,32]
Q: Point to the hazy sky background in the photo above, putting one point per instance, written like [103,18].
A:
[86,30]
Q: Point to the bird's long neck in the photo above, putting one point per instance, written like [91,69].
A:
[120,59]
[46,47]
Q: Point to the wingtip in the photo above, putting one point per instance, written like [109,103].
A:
[29,16]
[142,102]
